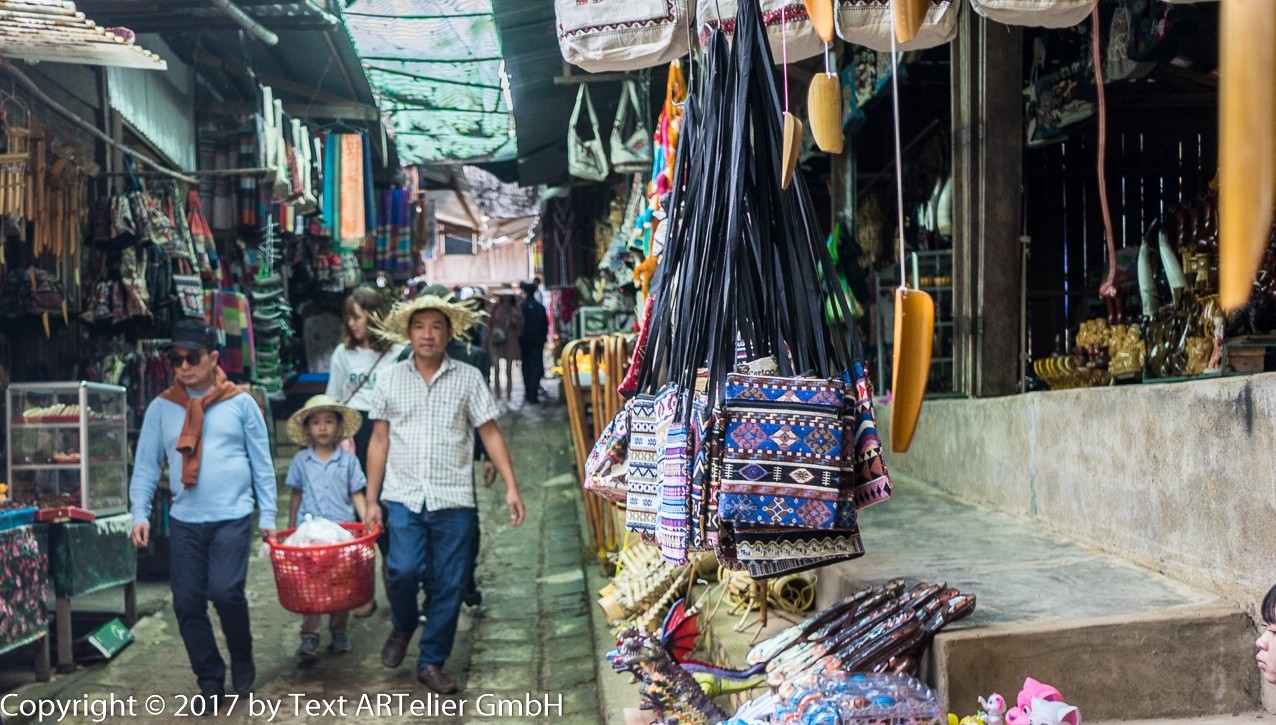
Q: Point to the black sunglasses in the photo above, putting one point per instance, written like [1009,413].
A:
[190,358]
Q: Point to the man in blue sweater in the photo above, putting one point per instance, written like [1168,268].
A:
[205,418]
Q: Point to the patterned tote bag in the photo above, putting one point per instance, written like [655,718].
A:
[649,419]
[782,452]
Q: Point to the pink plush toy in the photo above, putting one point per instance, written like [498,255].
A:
[1021,715]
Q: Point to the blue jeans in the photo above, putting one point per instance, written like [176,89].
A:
[210,562]
[434,548]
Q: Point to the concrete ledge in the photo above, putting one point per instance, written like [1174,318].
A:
[1171,663]
[1179,478]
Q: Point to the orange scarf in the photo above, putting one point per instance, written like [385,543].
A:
[190,442]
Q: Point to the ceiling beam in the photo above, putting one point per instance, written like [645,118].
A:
[209,60]
[336,111]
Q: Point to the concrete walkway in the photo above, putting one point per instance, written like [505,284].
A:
[528,648]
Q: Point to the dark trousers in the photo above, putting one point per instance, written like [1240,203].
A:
[533,370]
[434,548]
[209,562]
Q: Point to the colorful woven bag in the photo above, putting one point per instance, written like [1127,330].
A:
[606,467]
[782,454]
[649,419]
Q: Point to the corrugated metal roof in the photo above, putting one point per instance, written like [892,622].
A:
[55,31]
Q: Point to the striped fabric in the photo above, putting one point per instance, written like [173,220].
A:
[671,526]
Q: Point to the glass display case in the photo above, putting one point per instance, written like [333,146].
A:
[68,445]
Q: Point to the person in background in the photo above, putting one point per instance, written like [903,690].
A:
[327,483]
[427,411]
[206,419]
[504,326]
[532,342]
[1267,640]
[352,377]
[357,361]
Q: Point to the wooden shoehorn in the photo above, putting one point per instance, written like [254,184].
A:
[821,14]
[1247,144]
[792,147]
[909,15]
[824,97]
[910,370]
[824,111]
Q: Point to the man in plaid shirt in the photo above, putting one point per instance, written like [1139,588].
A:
[426,410]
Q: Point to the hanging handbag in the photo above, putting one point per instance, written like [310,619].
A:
[649,420]
[622,35]
[606,467]
[789,30]
[630,139]
[868,23]
[189,288]
[782,454]
[1036,13]
[586,158]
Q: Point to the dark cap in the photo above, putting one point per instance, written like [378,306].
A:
[194,335]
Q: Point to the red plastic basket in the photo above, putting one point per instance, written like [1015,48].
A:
[328,577]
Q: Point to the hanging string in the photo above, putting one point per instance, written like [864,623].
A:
[899,155]
[784,57]
[1107,289]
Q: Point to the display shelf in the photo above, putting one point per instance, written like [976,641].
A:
[82,458]
[74,465]
[20,422]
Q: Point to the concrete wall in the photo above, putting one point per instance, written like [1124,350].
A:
[1180,478]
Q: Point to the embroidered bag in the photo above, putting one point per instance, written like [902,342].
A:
[622,35]
[189,289]
[606,467]
[866,480]
[782,454]
[586,158]
[868,23]
[787,24]
[671,523]
[630,139]
[649,421]
[1038,13]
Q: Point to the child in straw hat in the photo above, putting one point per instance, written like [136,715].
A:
[326,482]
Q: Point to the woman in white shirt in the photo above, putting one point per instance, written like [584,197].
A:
[352,373]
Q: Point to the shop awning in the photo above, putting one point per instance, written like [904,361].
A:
[53,30]
[437,66]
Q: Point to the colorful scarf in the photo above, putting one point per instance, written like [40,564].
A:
[191,440]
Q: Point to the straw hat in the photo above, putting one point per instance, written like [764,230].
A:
[462,315]
[350,419]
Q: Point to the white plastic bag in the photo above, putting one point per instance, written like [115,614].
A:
[317,531]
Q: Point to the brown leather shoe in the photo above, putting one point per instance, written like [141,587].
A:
[433,677]
[396,645]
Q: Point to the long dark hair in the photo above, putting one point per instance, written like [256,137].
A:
[374,306]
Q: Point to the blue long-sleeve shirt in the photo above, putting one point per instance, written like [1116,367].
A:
[235,463]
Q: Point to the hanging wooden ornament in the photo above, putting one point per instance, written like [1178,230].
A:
[1247,144]
[910,370]
[909,16]
[824,97]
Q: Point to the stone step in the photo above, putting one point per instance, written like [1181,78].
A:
[1118,640]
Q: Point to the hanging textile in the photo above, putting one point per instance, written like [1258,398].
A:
[353,214]
[390,248]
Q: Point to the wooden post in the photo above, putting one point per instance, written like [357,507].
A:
[43,668]
[988,150]
[130,603]
[66,660]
